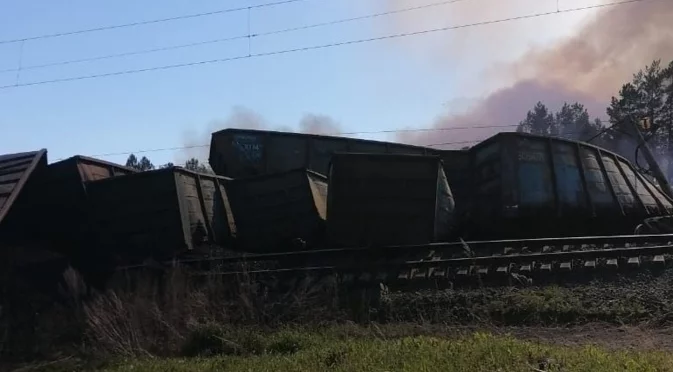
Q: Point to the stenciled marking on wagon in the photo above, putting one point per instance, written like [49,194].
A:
[248,147]
[531,156]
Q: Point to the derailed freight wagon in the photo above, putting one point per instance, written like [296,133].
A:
[25,262]
[526,186]
[279,212]
[380,200]
[245,152]
[160,214]
[20,175]
[64,214]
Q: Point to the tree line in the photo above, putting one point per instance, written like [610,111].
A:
[648,95]
[144,164]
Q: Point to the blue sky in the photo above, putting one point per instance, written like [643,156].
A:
[365,87]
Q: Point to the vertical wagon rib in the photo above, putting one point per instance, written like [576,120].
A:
[226,206]
[15,170]
[202,203]
[184,211]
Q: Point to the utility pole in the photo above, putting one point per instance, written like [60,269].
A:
[654,166]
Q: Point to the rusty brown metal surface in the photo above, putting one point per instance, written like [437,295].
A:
[382,199]
[271,211]
[160,213]
[15,170]
[64,213]
[92,169]
[244,152]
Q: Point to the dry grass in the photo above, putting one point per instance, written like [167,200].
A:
[644,300]
[329,350]
[146,315]
[159,319]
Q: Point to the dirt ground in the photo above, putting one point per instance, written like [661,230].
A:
[607,336]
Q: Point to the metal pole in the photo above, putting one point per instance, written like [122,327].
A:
[654,166]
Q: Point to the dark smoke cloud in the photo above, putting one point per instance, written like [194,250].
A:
[588,67]
[245,118]
[507,106]
[605,53]
[318,124]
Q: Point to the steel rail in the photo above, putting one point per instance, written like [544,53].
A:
[490,246]
[471,261]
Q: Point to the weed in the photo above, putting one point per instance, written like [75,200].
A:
[288,342]
[476,352]
[198,316]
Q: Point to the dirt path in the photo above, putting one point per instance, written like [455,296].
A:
[603,335]
[607,336]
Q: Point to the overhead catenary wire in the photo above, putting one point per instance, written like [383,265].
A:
[327,134]
[601,132]
[462,142]
[127,54]
[207,145]
[454,143]
[560,136]
[147,22]
[249,35]
[424,129]
[322,46]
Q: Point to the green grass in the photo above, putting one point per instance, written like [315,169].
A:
[337,351]
[615,303]
[214,327]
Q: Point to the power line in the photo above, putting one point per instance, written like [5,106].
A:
[127,54]
[418,130]
[327,134]
[323,46]
[207,145]
[452,128]
[233,38]
[454,142]
[354,133]
[601,132]
[560,135]
[147,22]
[425,129]
[150,150]
[358,18]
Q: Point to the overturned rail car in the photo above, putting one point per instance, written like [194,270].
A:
[160,214]
[64,214]
[279,212]
[525,186]
[245,152]
[383,199]
[20,174]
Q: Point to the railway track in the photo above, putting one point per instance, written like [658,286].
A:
[456,264]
